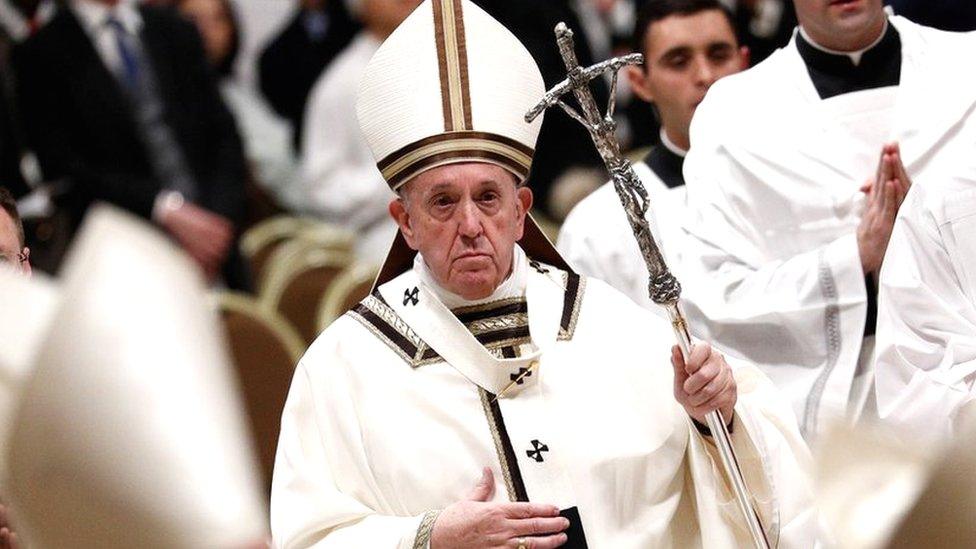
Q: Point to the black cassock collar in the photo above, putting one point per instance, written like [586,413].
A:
[666,165]
[836,74]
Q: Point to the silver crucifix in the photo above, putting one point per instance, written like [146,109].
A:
[663,288]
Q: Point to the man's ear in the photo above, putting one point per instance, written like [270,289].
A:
[523,204]
[398,211]
[26,266]
[637,76]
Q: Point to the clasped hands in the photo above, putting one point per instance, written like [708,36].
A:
[885,194]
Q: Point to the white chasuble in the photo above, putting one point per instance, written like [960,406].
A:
[927,309]
[562,387]
[772,268]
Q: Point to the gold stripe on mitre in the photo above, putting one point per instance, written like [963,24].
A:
[452,63]
[455,147]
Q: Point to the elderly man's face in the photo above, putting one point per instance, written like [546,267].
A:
[12,252]
[464,219]
[845,25]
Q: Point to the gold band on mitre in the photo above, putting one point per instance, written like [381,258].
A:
[454,148]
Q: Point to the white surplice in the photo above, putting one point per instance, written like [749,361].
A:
[597,240]
[773,181]
[927,309]
[391,417]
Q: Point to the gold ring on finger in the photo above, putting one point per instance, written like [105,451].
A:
[521,543]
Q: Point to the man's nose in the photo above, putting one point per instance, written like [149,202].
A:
[705,73]
[469,221]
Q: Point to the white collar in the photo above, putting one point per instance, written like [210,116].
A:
[513,286]
[854,55]
[431,323]
[668,144]
[93,15]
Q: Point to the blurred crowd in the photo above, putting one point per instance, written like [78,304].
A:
[213,130]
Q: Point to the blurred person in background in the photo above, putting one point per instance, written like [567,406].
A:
[118,98]
[764,25]
[340,181]
[294,60]
[563,144]
[267,138]
[795,175]
[13,253]
[687,45]
[19,19]
[11,143]
[47,226]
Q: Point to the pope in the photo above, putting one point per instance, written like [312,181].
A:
[484,394]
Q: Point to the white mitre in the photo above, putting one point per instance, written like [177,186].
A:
[129,431]
[877,489]
[451,85]
[942,516]
[26,314]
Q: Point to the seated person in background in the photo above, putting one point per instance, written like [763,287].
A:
[13,250]
[121,103]
[267,138]
[687,46]
[927,309]
[340,183]
[294,60]
[482,398]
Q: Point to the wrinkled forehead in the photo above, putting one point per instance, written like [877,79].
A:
[459,177]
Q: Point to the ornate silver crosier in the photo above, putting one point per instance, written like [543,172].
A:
[663,288]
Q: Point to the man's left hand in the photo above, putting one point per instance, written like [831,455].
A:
[704,383]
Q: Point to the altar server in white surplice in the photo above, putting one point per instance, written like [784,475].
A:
[789,224]
[927,309]
[687,46]
[486,396]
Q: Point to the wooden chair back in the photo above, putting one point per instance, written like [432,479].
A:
[350,287]
[264,349]
[302,274]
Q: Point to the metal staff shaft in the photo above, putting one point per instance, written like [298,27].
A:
[663,288]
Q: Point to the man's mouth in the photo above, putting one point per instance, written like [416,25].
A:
[468,255]
[843,3]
